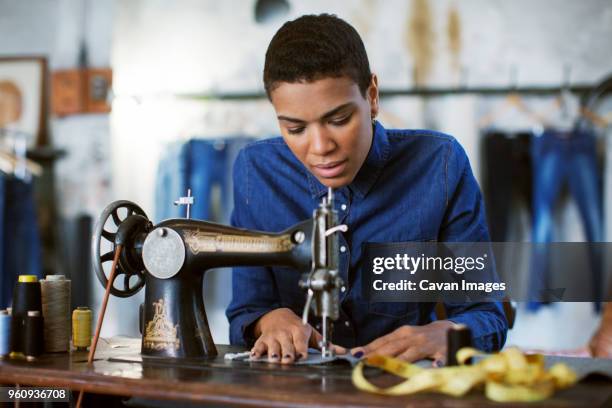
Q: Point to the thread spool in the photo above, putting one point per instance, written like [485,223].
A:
[33,341]
[457,337]
[81,327]
[5,333]
[26,297]
[55,292]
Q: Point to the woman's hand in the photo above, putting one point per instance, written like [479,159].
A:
[601,343]
[283,336]
[411,343]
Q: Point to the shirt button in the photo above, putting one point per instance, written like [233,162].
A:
[347,324]
[343,206]
[342,249]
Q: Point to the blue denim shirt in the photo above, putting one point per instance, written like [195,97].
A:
[415,185]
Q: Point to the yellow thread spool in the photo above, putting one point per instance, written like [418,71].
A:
[81,327]
[28,278]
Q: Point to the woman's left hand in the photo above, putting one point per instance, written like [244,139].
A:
[411,343]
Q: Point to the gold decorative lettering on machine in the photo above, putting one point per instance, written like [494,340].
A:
[160,334]
[200,241]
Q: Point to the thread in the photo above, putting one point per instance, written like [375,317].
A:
[26,297]
[5,333]
[33,344]
[55,291]
[457,337]
[81,327]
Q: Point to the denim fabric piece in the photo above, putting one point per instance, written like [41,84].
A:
[20,250]
[199,164]
[314,358]
[558,159]
[414,186]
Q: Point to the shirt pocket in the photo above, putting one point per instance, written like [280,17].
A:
[408,311]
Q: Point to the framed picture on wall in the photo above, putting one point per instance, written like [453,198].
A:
[23,98]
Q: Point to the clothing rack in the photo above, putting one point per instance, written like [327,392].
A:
[580,89]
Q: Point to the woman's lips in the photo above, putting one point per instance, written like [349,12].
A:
[330,170]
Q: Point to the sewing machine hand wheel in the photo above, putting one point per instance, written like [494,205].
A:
[120,221]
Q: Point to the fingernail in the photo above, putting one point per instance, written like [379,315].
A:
[300,356]
[358,354]
[287,356]
[274,356]
[438,363]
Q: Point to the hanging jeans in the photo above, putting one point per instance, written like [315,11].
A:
[560,158]
[507,178]
[201,165]
[20,248]
[204,166]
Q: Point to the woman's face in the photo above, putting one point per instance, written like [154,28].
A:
[327,124]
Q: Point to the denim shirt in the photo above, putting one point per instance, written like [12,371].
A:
[415,185]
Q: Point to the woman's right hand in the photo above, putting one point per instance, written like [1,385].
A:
[601,343]
[283,337]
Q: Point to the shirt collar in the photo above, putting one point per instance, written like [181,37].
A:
[369,171]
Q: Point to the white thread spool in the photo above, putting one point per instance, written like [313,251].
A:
[5,333]
[55,291]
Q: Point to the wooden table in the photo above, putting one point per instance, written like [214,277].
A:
[220,382]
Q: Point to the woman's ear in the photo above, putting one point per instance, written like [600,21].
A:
[372,94]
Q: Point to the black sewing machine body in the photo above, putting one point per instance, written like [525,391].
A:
[175,323]
[170,260]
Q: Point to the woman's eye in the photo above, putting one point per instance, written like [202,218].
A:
[340,121]
[295,131]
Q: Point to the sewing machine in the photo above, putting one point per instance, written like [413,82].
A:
[170,259]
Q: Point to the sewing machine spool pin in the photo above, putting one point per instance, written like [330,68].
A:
[187,201]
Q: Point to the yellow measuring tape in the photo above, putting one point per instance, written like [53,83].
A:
[508,376]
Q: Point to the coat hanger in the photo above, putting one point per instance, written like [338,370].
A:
[590,104]
[602,121]
[13,161]
[7,163]
[512,101]
[565,107]
[599,120]
[11,164]
[583,111]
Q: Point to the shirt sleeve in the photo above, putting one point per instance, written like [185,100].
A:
[464,221]
[254,292]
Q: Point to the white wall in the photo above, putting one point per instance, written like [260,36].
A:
[207,46]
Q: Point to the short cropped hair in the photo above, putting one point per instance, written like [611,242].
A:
[312,47]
